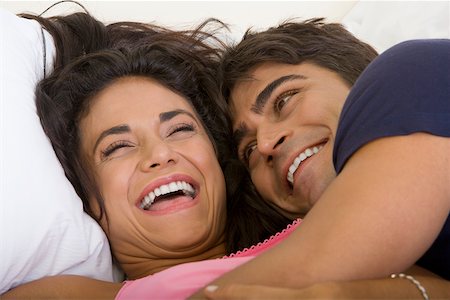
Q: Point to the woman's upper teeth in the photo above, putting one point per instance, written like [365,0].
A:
[175,186]
[299,159]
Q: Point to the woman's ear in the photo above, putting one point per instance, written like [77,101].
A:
[97,213]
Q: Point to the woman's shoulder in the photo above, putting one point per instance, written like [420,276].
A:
[267,243]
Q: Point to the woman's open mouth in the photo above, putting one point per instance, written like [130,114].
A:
[174,190]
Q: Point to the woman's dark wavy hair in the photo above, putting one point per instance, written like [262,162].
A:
[90,56]
[328,45]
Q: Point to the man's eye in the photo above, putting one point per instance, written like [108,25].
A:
[113,148]
[281,100]
[248,150]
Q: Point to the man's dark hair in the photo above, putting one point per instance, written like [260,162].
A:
[327,45]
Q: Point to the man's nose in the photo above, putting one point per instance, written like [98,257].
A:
[269,140]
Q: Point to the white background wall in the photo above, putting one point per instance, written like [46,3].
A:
[380,23]
[181,14]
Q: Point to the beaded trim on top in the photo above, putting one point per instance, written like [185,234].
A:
[266,242]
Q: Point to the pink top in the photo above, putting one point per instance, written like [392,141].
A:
[181,281]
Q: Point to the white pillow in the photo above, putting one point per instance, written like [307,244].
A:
[43,229]
[383,24]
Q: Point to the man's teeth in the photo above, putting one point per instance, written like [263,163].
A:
[299,159]
[176,186]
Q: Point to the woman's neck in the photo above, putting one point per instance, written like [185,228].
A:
[135,267]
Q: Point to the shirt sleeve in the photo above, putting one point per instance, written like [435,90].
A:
[404,90]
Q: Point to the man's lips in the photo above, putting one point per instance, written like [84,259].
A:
[300,158]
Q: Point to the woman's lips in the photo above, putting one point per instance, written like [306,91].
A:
[166,192]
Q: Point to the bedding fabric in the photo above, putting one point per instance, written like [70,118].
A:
[43,229]
[414,96]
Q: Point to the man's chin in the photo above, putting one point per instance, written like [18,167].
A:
[295,208]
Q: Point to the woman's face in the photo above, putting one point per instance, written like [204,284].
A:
[157,170]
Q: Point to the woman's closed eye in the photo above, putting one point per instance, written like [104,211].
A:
[283,99]
[114,148]
[181,129]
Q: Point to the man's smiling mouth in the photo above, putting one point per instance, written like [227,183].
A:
[301,158]
[167,192]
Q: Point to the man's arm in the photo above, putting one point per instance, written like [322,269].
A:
[64,287]
[378,217]
[387,288]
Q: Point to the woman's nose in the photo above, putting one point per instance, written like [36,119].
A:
[158,156]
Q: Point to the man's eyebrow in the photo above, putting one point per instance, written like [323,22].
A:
[265,94]
[240,133]
[113,130]
[168,115]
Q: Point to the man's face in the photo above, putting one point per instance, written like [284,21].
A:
[284,120]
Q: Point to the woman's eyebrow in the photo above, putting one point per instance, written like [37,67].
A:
[113,130]
[168,115]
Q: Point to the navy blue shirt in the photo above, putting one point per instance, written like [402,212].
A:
[405,90]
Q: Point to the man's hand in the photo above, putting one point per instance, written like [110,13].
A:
[386,288]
